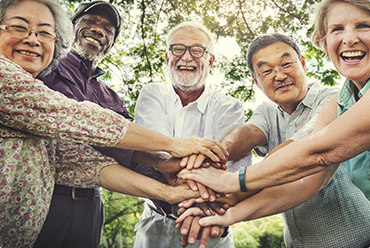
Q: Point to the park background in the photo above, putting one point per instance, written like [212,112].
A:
[138,59]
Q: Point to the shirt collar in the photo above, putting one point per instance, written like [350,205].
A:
[201,102]
[77,63]
[347,92]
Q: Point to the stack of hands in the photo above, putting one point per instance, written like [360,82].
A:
[199,218]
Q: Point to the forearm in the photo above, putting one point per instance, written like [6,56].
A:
[241,140]
[162,161]
[142,139]
[120,179]
[285,197]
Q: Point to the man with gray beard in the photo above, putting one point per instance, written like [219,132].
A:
[184,108]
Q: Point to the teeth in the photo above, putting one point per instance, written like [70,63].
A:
[353,54]
[186,67]
[28,53]
[92,40]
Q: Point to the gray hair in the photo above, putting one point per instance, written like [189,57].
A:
[265,40]
[192,26]
[63,28]
[321,26]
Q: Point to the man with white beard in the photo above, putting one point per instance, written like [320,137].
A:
[184,108]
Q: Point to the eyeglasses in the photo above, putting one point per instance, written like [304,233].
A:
[285,68]
[23,32]
[195,51]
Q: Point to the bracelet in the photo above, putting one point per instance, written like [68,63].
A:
[243,188]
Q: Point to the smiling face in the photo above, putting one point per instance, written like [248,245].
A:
[348,41]
[31,54]
[186,72]
[94,35]
[287,89]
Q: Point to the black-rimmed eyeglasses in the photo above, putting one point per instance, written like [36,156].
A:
[196,51]
[21,32]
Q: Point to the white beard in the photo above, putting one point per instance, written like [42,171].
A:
[85,54]
[188,82]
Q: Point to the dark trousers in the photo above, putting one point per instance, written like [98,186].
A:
[72,223]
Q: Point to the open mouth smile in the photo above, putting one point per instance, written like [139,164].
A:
[28,53]
[186,68]
[352,56]
[93,40]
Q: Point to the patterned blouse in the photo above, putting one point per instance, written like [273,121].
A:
[30,116]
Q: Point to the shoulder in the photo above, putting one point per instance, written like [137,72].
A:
[218,99]
[158,87]
[326,92]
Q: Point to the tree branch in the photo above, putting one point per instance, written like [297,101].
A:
[121,213]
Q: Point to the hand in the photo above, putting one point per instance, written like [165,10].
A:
[206,194]
[191,230]
[213,220]
[216,179]
[195,145]
[169,165]
[180,193]
[198,160]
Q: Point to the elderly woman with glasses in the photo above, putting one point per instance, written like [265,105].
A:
[34,34]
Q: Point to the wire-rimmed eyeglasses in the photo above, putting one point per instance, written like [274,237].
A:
[196,51]
[285,68]
[21,32]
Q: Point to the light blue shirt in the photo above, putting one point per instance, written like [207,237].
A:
[359,166]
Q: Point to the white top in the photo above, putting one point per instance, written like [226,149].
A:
[211,116]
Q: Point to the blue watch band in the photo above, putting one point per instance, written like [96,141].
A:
[242,170]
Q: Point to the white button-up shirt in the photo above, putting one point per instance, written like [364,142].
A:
[211,116]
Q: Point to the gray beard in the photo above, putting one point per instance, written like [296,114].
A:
[83,53]
[188,83]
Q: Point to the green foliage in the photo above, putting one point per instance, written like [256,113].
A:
[262,233]
[122,212]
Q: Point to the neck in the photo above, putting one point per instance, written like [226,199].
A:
[188,97]
[290,108]
[91,65]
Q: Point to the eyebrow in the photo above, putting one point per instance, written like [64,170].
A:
[26,21]
[261,63]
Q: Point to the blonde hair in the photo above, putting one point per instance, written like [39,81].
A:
[321,25]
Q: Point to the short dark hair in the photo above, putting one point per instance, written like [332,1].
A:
[265,40]
[104,6]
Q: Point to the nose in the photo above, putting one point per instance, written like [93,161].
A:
[97,29]
[32,39]
[279,74]
[350,37]
[187,56]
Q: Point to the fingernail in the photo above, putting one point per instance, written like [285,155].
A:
[202,246]
[191,241]
[212,198]
[205,195]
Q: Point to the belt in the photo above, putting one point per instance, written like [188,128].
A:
[162,212]
[78,193]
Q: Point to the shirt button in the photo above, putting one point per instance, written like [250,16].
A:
[180,113]
[291,124]
[295,240]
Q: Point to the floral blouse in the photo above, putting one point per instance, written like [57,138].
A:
[31,115]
